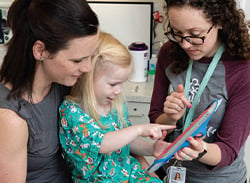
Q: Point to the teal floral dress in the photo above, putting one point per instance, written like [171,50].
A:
[81,137]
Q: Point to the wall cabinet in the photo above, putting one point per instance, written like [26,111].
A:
[138,112]
[138,96]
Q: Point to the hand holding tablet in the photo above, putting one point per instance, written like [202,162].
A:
[197,127]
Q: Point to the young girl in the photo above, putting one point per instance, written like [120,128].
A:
[95,133]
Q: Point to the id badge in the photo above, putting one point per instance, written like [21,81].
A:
[176,174]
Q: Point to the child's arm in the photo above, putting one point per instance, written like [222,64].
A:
[115,140]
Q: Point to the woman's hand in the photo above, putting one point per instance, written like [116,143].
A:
[176,103]
[191,152]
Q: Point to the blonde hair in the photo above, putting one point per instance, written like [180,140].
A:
[109,50]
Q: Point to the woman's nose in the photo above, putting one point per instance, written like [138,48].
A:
[86,66]
[185,44]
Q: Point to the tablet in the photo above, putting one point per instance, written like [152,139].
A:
[197,127]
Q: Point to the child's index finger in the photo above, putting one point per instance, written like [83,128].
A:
[167,127]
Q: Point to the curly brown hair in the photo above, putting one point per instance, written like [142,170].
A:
[234,33]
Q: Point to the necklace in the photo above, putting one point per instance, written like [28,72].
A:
[187,121]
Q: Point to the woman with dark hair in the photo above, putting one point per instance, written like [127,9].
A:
[207,57]
[52,45]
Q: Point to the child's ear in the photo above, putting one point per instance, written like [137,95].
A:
[38,50]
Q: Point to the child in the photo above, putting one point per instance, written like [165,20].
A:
[95,133]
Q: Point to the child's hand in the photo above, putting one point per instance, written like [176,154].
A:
[176,103]
[154,131]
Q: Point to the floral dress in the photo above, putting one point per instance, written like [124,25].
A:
[81,138]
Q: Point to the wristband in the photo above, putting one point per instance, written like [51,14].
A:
[203,152]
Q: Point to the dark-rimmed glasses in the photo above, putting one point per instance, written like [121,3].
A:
[195,40]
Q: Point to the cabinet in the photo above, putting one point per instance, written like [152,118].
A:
[138,97]
[138,112]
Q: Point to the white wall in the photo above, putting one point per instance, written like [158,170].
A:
[5,3]
[158,4]
[2,53]
[131,22]
[245,5]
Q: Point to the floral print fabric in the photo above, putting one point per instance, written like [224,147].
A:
[81,138]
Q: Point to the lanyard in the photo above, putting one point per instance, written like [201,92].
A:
[204,82]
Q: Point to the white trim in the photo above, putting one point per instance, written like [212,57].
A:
[5,3]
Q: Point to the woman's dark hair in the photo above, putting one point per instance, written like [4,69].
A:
[234,32]
[54,22]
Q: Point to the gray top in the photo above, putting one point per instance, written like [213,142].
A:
[45,163]
[196,171]
[230,125]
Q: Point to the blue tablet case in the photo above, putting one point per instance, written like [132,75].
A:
[197,127]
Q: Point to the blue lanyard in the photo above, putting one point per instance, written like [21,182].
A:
[204,82]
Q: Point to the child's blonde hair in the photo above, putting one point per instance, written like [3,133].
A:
[109,50]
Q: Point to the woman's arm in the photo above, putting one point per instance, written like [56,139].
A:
[164,98]
[13,147]
[212,156]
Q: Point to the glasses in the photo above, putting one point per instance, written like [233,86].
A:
[195,40]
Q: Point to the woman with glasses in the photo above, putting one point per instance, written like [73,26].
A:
[206,58]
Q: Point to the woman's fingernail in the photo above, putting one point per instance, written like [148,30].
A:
[190,106]
[189,138]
